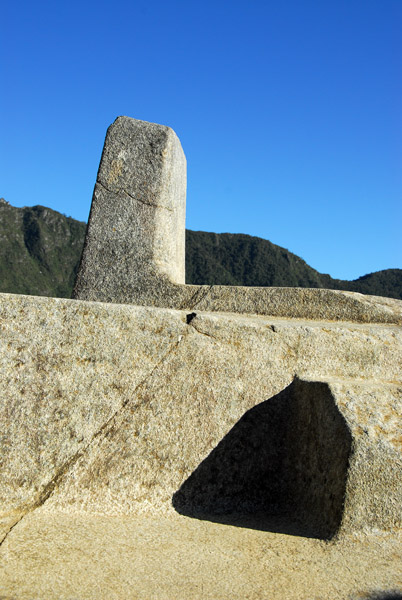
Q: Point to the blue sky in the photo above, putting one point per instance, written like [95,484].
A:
[288,113]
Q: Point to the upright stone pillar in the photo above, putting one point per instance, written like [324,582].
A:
[136,231]
[134,246]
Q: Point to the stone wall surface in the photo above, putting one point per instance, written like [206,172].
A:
[160,440]
[110,409]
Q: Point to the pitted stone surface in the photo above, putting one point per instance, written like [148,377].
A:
[110,408]
[136,226]
[134,246]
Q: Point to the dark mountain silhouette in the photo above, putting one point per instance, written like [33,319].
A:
[239,259]
[40,250]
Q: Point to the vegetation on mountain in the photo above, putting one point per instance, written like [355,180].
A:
[239,259]
[40,251]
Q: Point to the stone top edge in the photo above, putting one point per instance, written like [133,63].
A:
[141,123]
[245,316]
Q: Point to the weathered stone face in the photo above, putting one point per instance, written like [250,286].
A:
[110,409]
[136,227]
[134,247]
[116,418]
[287,423]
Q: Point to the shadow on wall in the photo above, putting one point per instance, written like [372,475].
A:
[282,467]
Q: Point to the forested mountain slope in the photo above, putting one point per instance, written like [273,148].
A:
[238,259]
[40,250]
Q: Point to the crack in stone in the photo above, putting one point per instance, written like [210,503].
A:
[12,527]
[208,291]
[192,324]
[49,488]
[122,190]
[188,304]
[145,401]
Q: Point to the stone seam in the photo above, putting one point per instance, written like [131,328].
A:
[122,190]
[200,292]
[209,335]
[57,478]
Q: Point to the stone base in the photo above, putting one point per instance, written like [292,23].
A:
[127,410]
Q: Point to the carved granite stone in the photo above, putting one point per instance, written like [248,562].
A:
[134,247]
[136,228]
[193,441]
[111,408]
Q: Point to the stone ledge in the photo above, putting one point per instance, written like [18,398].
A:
[291,303]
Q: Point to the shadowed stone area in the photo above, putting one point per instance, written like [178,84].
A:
[392,595]
[282,467]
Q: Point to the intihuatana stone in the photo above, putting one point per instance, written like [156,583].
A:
[136,227]
[134,247]
[206,445]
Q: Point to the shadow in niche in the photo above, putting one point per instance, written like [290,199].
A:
[389,595]
[281,468]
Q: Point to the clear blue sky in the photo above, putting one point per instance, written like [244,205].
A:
[289,113]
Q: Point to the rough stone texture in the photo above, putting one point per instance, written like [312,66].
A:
[274,433]
[296,303]
[53,556]
[110,408]
[134,247]
[136,227]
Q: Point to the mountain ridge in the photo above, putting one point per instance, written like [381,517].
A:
[40,251]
